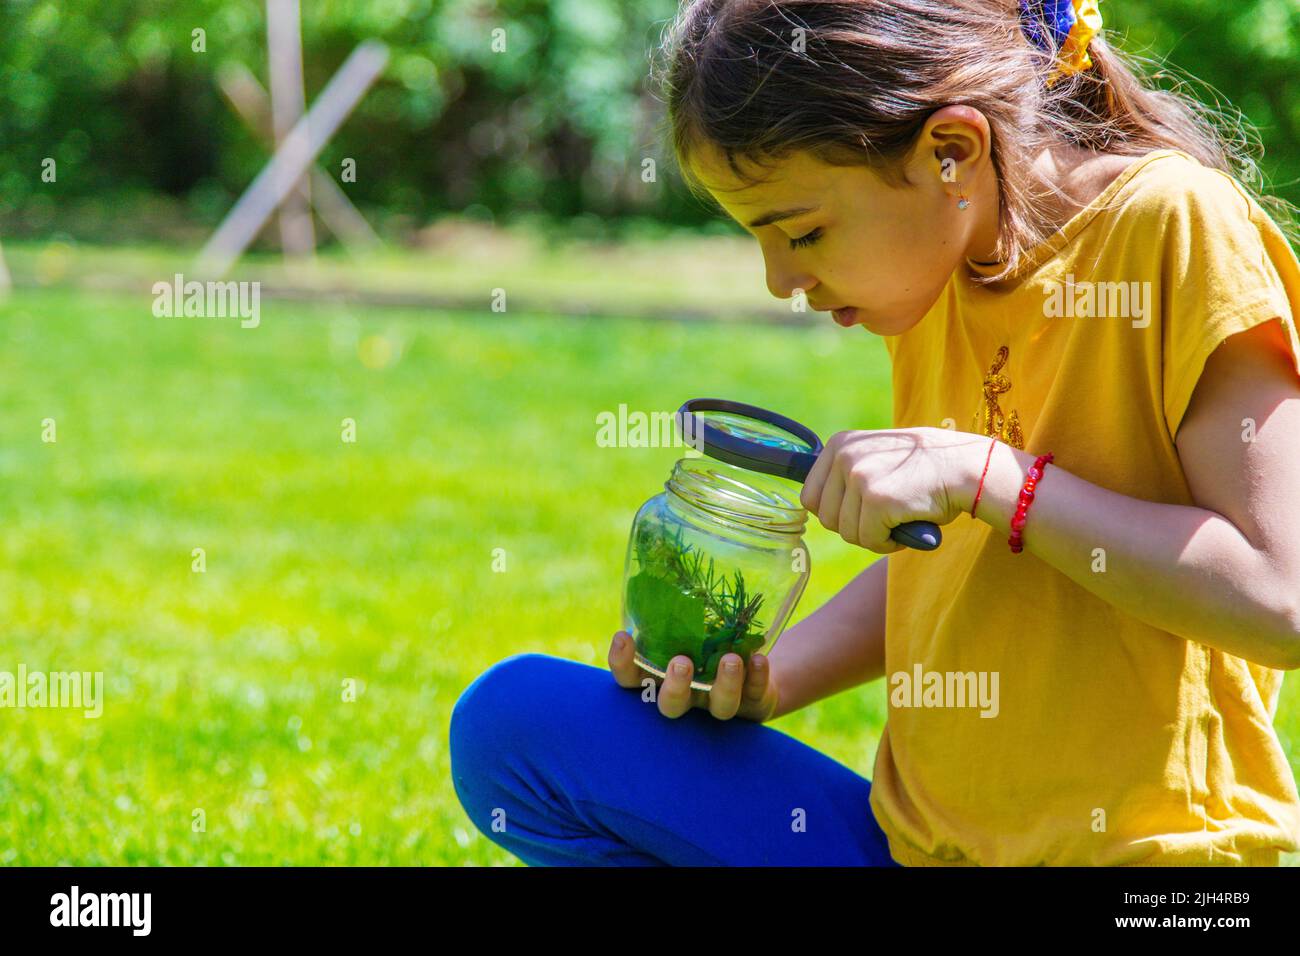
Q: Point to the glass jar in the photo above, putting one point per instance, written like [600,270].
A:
[715,563]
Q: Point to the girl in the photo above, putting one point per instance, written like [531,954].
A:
[1096,380]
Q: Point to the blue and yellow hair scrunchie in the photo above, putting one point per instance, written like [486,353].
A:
[1072,25]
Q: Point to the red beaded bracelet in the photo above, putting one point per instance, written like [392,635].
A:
[1026,499]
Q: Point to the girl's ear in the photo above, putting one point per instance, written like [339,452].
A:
[953,144]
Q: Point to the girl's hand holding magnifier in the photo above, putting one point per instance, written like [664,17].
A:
[866,483]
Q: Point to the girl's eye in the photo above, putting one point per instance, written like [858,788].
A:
[806,240]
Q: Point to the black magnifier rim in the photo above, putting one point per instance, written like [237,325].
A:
[770,460]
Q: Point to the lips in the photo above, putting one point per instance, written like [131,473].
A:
[845,317]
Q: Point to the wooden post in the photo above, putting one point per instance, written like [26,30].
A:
[336,210]
[288,100]
[294,157]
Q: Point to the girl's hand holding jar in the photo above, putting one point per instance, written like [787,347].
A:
[737,691]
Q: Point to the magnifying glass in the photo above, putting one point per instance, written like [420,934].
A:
[760,440]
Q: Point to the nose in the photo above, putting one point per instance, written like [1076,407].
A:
[784,278]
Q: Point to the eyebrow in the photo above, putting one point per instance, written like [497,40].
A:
[776,216]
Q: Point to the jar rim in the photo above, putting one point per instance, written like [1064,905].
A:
[733,494]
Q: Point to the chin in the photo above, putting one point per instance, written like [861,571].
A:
[888,324]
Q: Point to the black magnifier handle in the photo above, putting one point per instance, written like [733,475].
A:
[921,535]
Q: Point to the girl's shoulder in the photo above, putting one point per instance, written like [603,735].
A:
[1197,221]
[1163,198]
[1168,187]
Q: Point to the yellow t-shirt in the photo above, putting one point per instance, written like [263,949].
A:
[1113,742]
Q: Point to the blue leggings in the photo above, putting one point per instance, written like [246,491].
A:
[556,763]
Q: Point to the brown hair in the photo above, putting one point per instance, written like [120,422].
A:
[869,73]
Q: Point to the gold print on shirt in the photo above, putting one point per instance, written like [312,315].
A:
[990,420]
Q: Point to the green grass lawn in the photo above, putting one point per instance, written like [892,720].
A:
[328,561]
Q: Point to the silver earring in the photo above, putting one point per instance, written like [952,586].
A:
[963,203]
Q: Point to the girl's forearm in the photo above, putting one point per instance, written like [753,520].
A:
[838,646]
[1183,569]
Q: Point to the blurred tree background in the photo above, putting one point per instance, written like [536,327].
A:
[146,145]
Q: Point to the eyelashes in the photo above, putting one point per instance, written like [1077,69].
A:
[806,240]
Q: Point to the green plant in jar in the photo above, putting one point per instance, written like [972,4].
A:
[682,605]
[715,565]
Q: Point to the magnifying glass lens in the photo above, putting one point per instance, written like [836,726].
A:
[753,430]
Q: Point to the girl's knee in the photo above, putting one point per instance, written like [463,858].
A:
[492,692]
[495,715]
[504,700]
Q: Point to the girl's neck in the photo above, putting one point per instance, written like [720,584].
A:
[1078,176]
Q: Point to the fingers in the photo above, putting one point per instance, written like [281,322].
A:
[888,546]
[622,661]
[811,494]
[850,517]
[724,698]
[735,685]
[828,512]
[757,678]
[675,693]
[875,537]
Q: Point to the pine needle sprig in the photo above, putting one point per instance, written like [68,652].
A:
[730,611]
